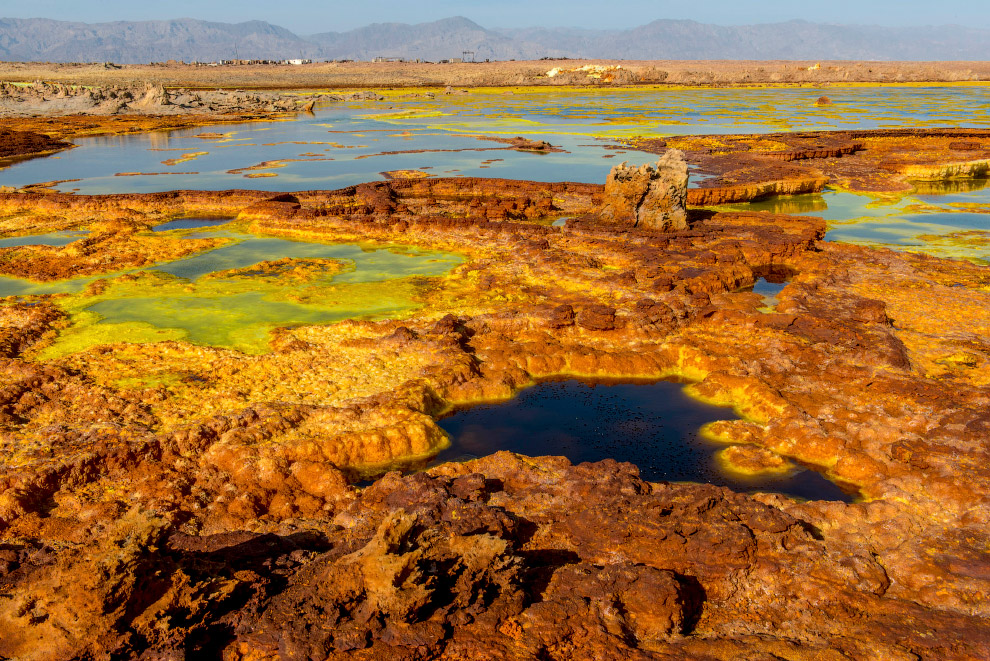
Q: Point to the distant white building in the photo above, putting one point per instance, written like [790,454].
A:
[298,62]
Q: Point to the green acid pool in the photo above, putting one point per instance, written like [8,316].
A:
[217,298]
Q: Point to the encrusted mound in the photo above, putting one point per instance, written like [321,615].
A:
[750,167]
[21,143]
[286,269]
[648,197]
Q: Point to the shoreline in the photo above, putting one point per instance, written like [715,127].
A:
[90,126]
[598,73]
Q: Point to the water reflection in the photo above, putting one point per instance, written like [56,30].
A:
[768,288]
[432,133]
[653,425]
[57,239]
[955,226]
[791,204]
[948,187]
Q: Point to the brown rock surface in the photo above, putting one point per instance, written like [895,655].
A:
[748,167]
[525,144]
[503,557]
[298,270]
[647,197]
[171,499]
[21,143]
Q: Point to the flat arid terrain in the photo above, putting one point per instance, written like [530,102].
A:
[229,412]
[499,74]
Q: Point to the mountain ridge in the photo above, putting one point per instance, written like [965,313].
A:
[127,42]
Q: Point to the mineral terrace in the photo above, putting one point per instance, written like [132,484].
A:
[170,500]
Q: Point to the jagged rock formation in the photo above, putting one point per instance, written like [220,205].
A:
[43,98]
[648,197]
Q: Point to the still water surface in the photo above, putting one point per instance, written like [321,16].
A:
[953,225]
[653,425]
[347,143]
[183,300]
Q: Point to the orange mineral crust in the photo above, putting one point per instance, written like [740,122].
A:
[750,167]
[178,499]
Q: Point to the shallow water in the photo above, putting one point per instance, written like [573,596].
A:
[17,287]
[653,425]
[52,239]
[179,300]
[190,224]
[939,225]
[353,142]
[768,288]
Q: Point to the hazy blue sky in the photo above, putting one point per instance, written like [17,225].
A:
[306,17]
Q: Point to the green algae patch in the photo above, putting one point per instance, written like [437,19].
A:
[88,330]
[231,298]
[22,287]
[664,110]
[57,239]
[111,247]
[411,113]
[971,245]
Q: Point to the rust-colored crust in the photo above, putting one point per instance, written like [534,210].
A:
[177,499]
[750,167]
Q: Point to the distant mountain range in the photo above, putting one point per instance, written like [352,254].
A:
[188,39]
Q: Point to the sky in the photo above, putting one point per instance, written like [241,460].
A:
[308,17]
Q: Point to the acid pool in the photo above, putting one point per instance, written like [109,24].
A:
[57,239]
[653,425]
[215,298]
[768,286]
[190,224]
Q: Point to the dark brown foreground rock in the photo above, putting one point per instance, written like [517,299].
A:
[505,557]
